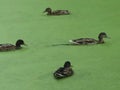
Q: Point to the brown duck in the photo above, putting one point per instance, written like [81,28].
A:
[63,72]
[56,12]
[9,47]
[86,41]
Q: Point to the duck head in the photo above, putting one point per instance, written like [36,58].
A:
[67,64]
[49,10]
[101,36]
[19,43]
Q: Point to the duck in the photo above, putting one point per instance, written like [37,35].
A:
[64,71]
[87,41]
[56,12]
[9,47]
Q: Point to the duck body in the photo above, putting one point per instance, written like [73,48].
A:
[88,41]
[56,12]
[10,47]
[7,47]
[84,41]
[63,72]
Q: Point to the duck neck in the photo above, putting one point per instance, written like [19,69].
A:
[100,40]
[49,12]
[18,46]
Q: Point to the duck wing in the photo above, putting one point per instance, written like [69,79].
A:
[7,47]
[59,73]
[61,12]
[63,72]
[84,41]
[68,71]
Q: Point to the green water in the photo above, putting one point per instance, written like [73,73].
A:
[96,67]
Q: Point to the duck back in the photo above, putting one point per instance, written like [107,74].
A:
[63,72]
[61,12]
[7,47]
[84,41]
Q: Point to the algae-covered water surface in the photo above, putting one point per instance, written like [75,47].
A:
[96,67]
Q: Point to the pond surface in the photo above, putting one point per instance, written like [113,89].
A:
[96,67]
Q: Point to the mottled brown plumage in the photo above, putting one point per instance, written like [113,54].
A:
[86,41]
[63,72]
[56,12]
[9,47]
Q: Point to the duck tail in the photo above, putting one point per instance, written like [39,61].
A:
[71,41]
[58,75]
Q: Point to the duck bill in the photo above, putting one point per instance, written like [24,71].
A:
[25,44]
[44,11]
[108,37]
